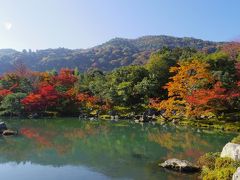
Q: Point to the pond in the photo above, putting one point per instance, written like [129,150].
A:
[69,149]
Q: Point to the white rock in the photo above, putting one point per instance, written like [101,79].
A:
[231,150]
[179,165]
[236,175]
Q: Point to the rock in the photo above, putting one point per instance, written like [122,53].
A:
[231,150]
[3,127]
[180,165]
[112,118]
[116,118]
[91,118]
[136,121]
[236,175]
[9,132]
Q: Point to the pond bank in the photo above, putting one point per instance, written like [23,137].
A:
[222,166]
[212,124]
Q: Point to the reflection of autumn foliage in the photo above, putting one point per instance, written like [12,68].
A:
[48,139]
[76,133]
[45,139]
[85,132]
[191,154]
[190,145]
[33,134]
[194,153]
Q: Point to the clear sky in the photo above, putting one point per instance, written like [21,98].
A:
[40,24]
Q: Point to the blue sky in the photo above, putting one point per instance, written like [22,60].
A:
[40,24]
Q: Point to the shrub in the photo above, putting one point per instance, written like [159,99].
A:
[208,160]
[217,168]
[220,174]
[223,162]
[236,140]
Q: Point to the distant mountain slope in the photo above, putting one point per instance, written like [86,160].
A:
[114,53]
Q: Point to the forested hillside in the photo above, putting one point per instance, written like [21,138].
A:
[112,54]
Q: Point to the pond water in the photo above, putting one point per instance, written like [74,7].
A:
[69,149]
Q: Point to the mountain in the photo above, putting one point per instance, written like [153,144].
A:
[112,54]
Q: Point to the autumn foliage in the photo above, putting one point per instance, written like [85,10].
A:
[193,91]
[49,92]
[45,97]
[180,83]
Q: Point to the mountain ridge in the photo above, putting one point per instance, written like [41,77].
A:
[109,55]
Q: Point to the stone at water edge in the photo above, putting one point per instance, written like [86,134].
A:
[180,165]
[3,127]
[9,132]
[231,150]
[236,175]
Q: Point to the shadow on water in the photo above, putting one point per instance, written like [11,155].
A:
[101,150]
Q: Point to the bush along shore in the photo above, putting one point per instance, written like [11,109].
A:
[223,165]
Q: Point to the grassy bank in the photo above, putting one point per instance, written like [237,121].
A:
[214,124]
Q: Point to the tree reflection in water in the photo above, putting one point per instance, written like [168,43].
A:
[117,150]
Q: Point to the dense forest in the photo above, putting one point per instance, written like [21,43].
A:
[112,54]
[177,82]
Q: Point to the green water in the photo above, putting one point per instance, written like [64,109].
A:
[69,149]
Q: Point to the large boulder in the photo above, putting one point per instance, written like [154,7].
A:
[180,165]
[3,127]
[231,150]
[236,175]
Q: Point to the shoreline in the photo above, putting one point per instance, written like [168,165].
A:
[209,124]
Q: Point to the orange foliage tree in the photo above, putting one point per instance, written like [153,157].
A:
[189,76]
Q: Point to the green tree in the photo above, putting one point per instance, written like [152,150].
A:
[11,104]
[158,67]
[126,85]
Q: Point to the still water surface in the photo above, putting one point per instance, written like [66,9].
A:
[72,149]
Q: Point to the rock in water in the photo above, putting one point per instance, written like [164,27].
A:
[180,165]
[231,150]
[9,132]
[3,127]
[236,175]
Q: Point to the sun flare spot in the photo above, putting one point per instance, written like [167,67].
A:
[7,25]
